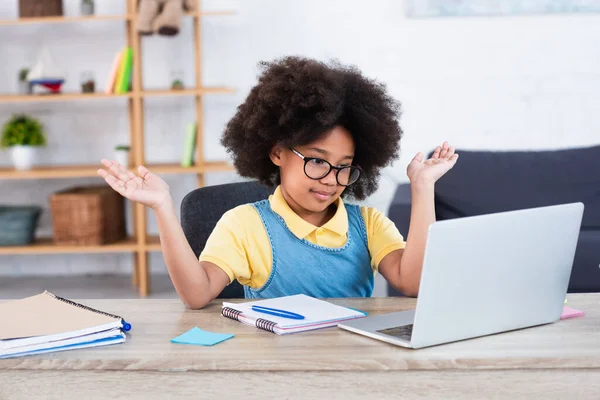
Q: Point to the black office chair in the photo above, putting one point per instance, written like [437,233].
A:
[202,208]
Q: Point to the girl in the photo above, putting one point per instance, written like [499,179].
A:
[319,133]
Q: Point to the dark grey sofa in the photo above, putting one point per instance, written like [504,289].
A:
[484,182]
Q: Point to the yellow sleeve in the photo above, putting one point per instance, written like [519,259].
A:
[229,244]
[382,234]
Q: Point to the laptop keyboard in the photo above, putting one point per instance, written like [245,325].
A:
[402,332]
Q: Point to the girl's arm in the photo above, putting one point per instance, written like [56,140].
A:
[402,268]
[197,283]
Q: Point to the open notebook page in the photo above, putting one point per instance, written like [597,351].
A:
[314,310]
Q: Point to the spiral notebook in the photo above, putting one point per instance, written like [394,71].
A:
[316,314]
[46,323]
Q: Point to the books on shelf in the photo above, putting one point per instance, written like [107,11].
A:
[189,145]
[47,323]
[114,71]
[121,72]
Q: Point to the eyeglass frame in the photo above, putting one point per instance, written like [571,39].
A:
[337,169]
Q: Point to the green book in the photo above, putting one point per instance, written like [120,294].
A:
[125,69]
[128,71]
[189,146]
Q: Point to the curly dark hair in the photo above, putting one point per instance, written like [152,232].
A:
[296,101]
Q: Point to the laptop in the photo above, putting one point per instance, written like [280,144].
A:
[484,275]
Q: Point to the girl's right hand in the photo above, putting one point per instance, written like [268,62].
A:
[147,188]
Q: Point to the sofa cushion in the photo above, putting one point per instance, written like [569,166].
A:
[491,181]
[585,276]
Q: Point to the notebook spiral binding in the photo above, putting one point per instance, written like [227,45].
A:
[126,326]
[261,323]
[265,324]
[231,313]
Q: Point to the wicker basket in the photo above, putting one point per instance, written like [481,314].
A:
[18,224]
[40,8]
[89,215]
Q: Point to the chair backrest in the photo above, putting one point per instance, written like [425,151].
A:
[202,208]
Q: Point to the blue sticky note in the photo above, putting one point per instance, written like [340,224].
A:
[199,337]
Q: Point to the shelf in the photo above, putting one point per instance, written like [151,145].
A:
[212,166]
[187,92]
[46,246]
[63,19]
[38,98]
[210,13]
[78,18]
[153,243]
[217,166]
[81,171]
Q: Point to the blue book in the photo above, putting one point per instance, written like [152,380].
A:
[93,340]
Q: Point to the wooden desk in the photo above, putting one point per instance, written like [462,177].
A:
[560,360]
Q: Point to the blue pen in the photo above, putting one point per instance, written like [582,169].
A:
[126,325]
[277,312]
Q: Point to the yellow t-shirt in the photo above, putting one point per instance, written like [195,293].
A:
[240,246]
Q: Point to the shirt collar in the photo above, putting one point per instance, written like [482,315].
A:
[300,228]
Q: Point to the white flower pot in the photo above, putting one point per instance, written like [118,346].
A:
[23,157]
[122,157]
[24,87]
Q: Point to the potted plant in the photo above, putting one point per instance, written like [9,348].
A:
[23,135]
[177,80]
[122,155]
[177,84]
[24,86]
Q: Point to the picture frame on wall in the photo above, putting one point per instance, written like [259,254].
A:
[464,8]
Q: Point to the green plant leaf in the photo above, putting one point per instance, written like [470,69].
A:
[23,74]
[22,130]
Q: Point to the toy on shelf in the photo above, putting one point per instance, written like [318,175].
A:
[162,16]
[46,76]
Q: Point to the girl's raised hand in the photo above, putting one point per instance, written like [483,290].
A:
[429,171]
[145,188]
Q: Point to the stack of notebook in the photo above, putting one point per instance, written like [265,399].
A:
[47,323]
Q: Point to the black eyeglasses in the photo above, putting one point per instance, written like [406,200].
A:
[318,168]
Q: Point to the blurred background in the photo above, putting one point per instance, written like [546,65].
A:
[523,75]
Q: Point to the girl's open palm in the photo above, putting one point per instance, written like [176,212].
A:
[147,188]
[429,171]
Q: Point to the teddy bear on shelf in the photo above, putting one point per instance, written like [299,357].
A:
[162,16]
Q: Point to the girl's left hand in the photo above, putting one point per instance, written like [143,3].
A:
[429,171]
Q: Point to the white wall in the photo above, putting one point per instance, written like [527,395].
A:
[493,83]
